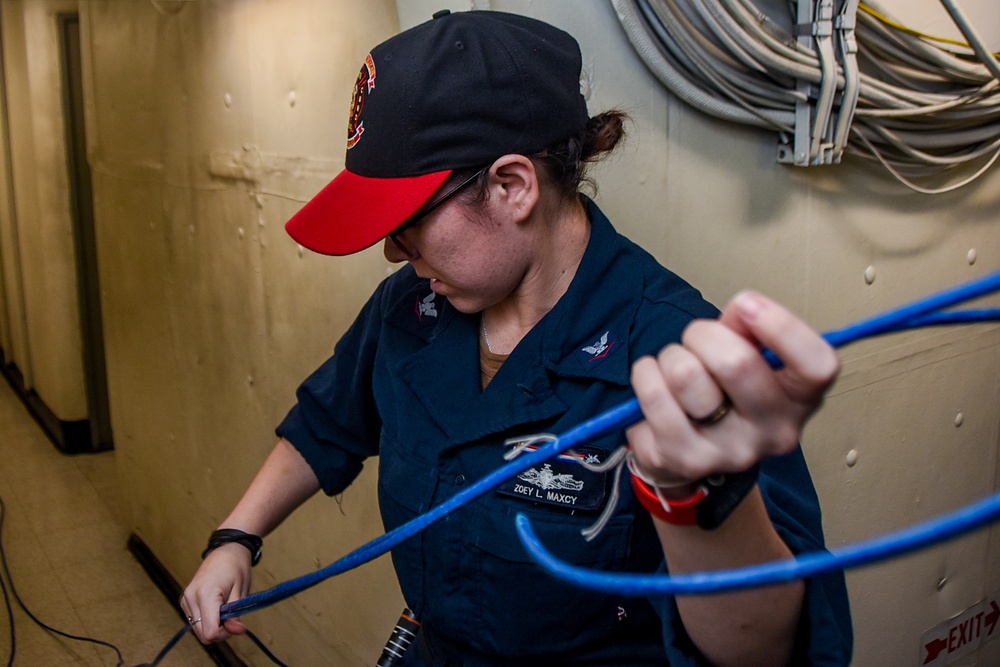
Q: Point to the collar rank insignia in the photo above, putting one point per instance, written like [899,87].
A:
[561,481]
[599,349]
[426,307]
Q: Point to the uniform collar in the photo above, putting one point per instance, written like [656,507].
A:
[583,336]
[586,334]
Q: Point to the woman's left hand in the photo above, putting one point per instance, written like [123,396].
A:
[718,365]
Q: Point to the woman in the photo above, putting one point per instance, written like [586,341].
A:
[520,310]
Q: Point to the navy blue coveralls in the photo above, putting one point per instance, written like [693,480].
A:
[404,385]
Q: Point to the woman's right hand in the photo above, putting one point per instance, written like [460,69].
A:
[283,483]
[224,576]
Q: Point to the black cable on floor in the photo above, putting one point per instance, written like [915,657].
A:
[221,653]
[183,631]
[265,650]
[20,602]
[10,615]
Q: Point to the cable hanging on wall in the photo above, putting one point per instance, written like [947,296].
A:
[839,76]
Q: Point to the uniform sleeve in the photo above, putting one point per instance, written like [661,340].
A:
[335,424]
[825,637]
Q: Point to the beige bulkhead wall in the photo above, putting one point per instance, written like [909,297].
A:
[38,254]
[209,123]
[13,337]
[210,126]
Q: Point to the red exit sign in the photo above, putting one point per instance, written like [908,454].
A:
[961,635]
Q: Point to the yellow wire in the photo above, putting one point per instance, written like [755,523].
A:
[910,31]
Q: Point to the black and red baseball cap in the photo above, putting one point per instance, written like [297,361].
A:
[454,93]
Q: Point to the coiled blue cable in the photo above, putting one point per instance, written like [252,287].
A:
[877,549]
[607,422]
[925,312]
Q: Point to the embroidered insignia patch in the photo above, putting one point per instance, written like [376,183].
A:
[426,307]
[561,481]
[597,351]
[364,84]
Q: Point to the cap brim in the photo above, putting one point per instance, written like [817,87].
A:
[355,212]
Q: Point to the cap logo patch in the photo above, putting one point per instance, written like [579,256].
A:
[364,85]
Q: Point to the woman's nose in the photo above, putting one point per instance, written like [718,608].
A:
[395,250]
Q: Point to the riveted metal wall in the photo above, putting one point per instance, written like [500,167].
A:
[211,122]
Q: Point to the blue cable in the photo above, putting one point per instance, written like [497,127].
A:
[877,549]
[919,313]
[924,312]
[957,317]
[607,422]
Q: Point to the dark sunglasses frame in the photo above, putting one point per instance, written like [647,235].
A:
[417,217]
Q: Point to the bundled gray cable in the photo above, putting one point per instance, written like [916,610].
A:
[830,79]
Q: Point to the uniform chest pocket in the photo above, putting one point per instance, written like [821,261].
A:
[560,533]
[405,489]
[530,613]
[407,481]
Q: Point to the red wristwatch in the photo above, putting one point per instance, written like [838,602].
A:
[714,500]
[683,512]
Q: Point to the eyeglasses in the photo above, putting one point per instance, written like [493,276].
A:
[417,217]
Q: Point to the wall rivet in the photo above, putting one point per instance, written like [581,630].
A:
[971,256]
[291,99]
[942,582]
[301,251]
[852,458]
[870,275]
[959,418]
[239,233]
[228,99]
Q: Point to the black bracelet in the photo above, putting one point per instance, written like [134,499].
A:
[725,492]
[253,543]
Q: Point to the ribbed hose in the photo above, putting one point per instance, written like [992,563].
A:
[915,107]
[650,54]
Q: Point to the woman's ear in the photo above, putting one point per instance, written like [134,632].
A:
[514,185]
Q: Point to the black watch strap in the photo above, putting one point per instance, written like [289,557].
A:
[254,543]
[725,492]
